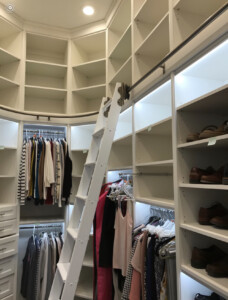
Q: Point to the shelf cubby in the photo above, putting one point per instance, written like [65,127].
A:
[46,74]
[85,285]
[47,49]
[153,109]
[188,16]
[45,99]
[8,135]
[8,190]
[190,240]
[202,77]
[88,49]
[124,124]
[154,144]
[190,202]
[8,161]
[148,16]
[119,24]
[121,154]
[153,48]
[88,99]
[81,137]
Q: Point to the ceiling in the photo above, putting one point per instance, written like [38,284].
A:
[60,13]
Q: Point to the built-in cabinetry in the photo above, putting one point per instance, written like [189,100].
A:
[8,207]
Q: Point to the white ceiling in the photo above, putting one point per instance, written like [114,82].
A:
[61,13]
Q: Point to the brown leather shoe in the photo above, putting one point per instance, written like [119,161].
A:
[220,221]
[218,268]
[215,178]
[206,214]
[202,257]
[197,173]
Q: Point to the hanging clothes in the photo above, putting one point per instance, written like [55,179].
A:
[45,173]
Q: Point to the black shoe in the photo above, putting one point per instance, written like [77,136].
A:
[213,296]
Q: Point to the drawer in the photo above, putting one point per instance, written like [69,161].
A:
[8,212]
[8,266]
[8,246]
[6,286]
[8,227]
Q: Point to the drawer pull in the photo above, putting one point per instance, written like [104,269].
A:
[3,249]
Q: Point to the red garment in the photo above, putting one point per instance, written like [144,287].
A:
[102,276]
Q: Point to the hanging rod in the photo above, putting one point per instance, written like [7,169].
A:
[40,226]
[43,131]
[175,50]
[141,173]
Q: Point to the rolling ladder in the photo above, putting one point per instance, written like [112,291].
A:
[77,236]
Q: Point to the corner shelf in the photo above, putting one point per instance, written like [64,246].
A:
[89,92]
[122,47]
[7,83]
[92,68]
[219,285]
[45,92]
[46,69]
[124,73]
[7,57]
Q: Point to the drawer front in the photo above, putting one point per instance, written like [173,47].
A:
[8,246]
[8,227]
[7,266]
[6,286]
[8,213]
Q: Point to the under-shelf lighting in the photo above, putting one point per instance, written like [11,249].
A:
[88,10]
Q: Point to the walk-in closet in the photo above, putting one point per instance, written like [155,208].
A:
[125,100]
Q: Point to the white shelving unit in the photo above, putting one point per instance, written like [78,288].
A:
[46,74]
[200,101]
[89,72]
[10,63]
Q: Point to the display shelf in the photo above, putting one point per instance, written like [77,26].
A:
[6,57]
[160,202]
[219,285]
[8,139]
[81,137]
[89,92]
[92,68]
[153,112]
[153,48]
[188,16]
[45,92]
[221,141]
[119,24]
[203,77]
[122,50]
[124,125]
[7,83]
[147,18]
[88,49]
[46,49]
[93,78]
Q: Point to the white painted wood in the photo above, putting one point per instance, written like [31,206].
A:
[81,137]
[8,246]
[6,57]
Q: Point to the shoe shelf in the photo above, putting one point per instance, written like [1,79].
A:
[160,202]
[188,16]
[119,26]
[153,48]
[204,186]
[221,141]
[146,19]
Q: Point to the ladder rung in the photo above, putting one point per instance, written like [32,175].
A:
[72,232]
[63,270]
[99,132]
[107,104]
[80,197]
[90,164]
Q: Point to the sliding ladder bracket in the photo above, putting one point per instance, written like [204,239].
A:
[108,108]
[37,117]
[163,68]
[124,94]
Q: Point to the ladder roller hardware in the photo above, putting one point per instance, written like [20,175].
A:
[77,235]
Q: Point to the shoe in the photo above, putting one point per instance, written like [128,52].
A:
[220,221]
[202,257]
[211,131]
[218,268]
[213,296]
[206,214]
[197,173]
[215,178]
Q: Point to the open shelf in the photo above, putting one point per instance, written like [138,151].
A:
[6,57]
[188,16]
[153,110]
[8,138]
[160,202]
[46,49]
[153,48]
[203,77]
[204,186]
[149,15]
[85,285]
[89,92]
[119,24]
[123,74]
[8,190]
[92,75]
[7,83]
[87,49]
[81,137]
[124,125]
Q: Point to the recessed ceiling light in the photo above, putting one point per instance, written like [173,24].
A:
[88,10]
[9,8]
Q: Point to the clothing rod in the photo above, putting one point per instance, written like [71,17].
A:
[42,131]
[186,41]
[40,226]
